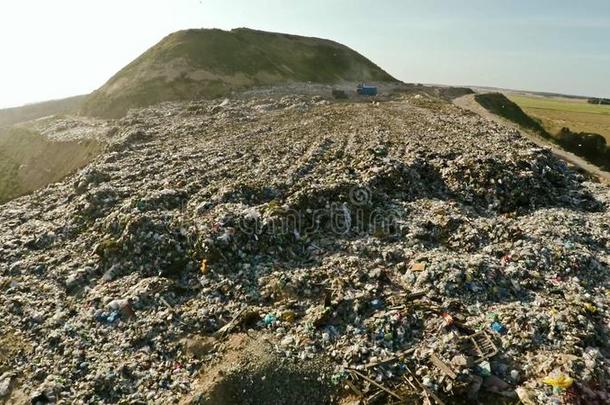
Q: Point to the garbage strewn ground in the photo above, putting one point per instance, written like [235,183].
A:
[407,250]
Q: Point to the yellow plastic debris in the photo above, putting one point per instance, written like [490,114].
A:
[418,267]
[204,266]
[288,316]
[590,307]
[559,380]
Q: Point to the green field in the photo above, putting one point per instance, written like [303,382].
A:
[555,113]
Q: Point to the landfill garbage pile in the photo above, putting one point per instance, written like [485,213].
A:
[423,253]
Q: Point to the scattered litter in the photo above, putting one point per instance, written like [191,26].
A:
[559,380]
[418,267]
[427,254]
[498,327]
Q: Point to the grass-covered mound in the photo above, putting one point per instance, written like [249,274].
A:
[206,63]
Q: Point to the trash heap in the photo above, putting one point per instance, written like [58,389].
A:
[423,253]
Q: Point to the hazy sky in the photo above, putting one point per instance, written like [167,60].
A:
[58,48]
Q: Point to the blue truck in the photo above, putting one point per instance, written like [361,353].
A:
[366,90]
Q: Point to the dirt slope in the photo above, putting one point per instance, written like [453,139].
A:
[29,160]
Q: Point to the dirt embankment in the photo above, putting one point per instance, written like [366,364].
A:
[29,160]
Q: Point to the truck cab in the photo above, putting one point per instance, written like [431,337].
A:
[366,90]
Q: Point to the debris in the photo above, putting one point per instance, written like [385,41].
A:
[460,360]
[442,366]
[418,267]
[484,368]
[426,390]
[475,387]
[481,346]
[5,384]
[269,319]
[375,383]
[288,316]
[114,315]
[590,308]
[376,304]
[498,327]
[245,315]
[448,319]
[317,315]
[525,396]
[371,237]
[167,304]
[287,341]
[559,380]
[203,268]
[495,384]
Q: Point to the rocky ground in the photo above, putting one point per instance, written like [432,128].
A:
[378,252]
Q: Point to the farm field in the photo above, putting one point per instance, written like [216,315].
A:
[556,113]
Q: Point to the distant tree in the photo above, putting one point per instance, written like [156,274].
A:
[604,101]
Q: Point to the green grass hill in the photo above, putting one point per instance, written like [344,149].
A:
[207,63]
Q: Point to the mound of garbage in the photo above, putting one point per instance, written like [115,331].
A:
[415,251]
